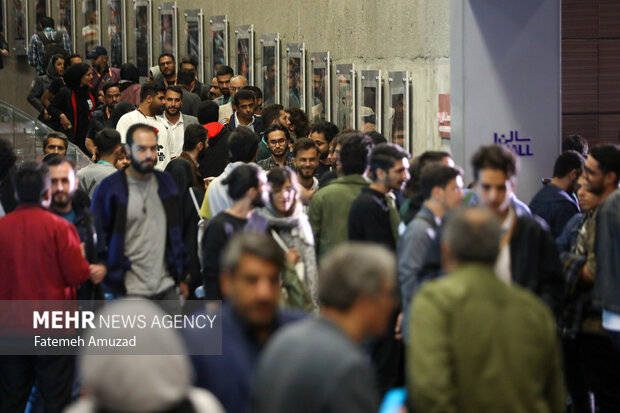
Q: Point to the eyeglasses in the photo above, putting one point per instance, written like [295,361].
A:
[278,142]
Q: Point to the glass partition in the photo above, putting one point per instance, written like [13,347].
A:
[193,38]
[369,112]
[399,109]
[116,33]
[91,24]
[168,29]
[344,101]
[321,87]
[66,19]
[143,35]
[296,75]
[219,43]
[270,68]
[244,42]
[20,28]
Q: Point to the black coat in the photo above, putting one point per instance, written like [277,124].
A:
[213,160]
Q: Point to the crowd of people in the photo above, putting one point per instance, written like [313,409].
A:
[346,268]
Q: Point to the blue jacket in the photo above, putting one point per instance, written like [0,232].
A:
[555,206]
[109,208]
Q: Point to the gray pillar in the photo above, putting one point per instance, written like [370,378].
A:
[505,74]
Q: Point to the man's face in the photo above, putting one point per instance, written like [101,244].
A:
[74,60]
[111,97]
[336,157]
[277,142]
[594,176]
[64,184]
[214,90]
[494,190]
[100,62]
[321,144]
[306,162]
[223,81]
[55,145]
[253,290]
[285,119]
[236,84]
[245,110]
[173,104]
[189,66]
[157,103]
[144,150]
[166,66]
[316,85]
[587,200]
[398,175]
[453,194]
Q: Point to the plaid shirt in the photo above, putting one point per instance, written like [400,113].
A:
[271,163]
[36,49]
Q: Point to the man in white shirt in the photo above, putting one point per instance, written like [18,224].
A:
[174,121]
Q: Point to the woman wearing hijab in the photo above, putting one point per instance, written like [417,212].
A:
[130,84]
[55,70]
[72,106]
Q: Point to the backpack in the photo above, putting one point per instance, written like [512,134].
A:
[51,48]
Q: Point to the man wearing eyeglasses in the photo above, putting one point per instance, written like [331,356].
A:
[277,137]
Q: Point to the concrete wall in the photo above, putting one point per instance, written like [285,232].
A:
[391,35]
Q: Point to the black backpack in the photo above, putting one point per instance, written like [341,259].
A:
[51,48]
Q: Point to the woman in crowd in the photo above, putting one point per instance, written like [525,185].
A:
[55,70]
[130,84]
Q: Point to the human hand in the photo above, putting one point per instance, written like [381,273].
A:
[398,331]
[97,272]
[64,122]
[293,256]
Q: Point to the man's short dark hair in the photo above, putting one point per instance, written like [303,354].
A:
[176,89]
[384,156]
[208,112]
[299,119]
[243,144]
[47,22]
[355,153]
[251,243]
[56,135]
[194,134]
[138,126]
[190,60]
[69,57]
[243,94]
[224,70]
[254,89]
[576,143]
[185,77]
[434,175]
[109,86]
[566,162]
[329,129]
[377,138]
[31,180]
[58,159]
[166,54]
[7,158]
[240,180]
[303,144]
[473,235]
[275,127]
[151,89]
[495,157]
[107,140]
[608,158]
[271,113]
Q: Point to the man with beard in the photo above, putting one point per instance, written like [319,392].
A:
[152,102]
[224,75]
[306,161]
[174,121]
[278,138]
[168,68]
[102,72]
[138,213]
[322,133]
[245,188]
[214,90]
[111,97]
[227,110]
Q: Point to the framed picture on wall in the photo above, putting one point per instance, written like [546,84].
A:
[399,109]
[20,28]
[168,29]
[66,19]
[143,33]
[270,68]
[244,44]
[116,33]
[369,113]
[219,42]
[344,97]
[320,93]
[91,24]
[296,75]
[193,38]
[41,9]
[3,18]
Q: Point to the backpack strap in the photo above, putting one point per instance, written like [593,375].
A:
[44,38]
[191,192]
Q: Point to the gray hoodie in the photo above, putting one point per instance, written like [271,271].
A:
[40,84]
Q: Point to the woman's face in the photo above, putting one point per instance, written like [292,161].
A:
[87,78]
[59,65]
[283,199]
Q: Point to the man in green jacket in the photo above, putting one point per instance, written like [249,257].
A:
[476,343]
[329,209]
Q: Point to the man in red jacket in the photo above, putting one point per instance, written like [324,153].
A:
[41,256]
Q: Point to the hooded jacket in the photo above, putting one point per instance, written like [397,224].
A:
[39,85]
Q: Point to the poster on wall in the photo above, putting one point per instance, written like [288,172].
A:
[168,29]
[66,18]
[193,38]
[270,68]
[143,33]
[443,116]
[3,19]
[20,31]
[399,109]
[296,75]
[370,101]
[116,33]
[219,42]
[320,99]
[91,27]
[244,43]
[344,97]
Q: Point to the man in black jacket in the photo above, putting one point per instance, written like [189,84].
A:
[111,97]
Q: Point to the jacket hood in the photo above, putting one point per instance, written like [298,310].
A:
[51,71]
[213,129]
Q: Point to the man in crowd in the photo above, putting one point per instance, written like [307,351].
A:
[55,142]
[102,72]
[306,161]
[107,147]
[322,133]
[168,68]
[215,157]
[174,121]
[554,202]
[243,102]
[99,117]
[214,90]
[477,344]
[186,80]
[39,249]
[258,102]
[227,109]
[271,114]
[39,40]
[223,75]
[278,138]
[191,63]
[318,363]
[137,210]
[250,279]
[329,208]
[194,142]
